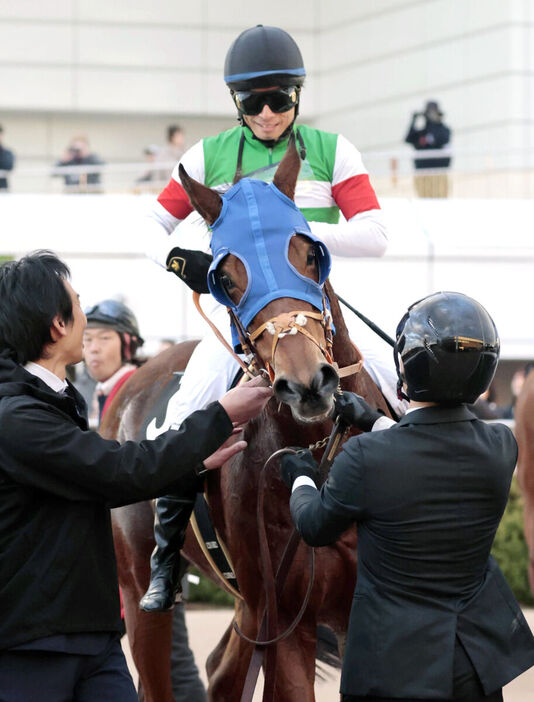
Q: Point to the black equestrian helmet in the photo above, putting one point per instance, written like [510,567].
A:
[449,348]
[261,57]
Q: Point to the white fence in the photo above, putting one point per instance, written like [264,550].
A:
[490,173]
[480,247]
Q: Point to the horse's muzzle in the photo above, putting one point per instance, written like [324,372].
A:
[309,403]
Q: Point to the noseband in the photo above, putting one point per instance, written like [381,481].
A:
[286,324]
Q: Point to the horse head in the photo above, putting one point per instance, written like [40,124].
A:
[269,270]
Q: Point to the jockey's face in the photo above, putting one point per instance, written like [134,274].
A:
[102,352]
[268,124]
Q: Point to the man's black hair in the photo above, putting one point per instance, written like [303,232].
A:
[32,293]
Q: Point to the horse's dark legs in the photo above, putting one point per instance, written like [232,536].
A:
[228,664]
[215,657]
[149,635]
[295,666]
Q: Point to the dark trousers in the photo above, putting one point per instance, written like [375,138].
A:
[467,687]
[50,676]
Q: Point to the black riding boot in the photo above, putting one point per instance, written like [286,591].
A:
[172,517]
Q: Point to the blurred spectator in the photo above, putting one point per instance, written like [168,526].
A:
[516,385]
[486,407]
[110,344]
[172,152]
[150,153]
[7,161]
[79,154]
[427,132]
[84,383]
[165,344]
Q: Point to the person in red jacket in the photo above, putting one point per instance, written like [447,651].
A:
[110,343]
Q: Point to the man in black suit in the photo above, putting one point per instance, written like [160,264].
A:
[432,617]
[59,600]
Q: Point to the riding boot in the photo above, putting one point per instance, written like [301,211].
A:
[172,517]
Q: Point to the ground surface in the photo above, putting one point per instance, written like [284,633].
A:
[206,626]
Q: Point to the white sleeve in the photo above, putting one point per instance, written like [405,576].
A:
[364,234]
[163,230]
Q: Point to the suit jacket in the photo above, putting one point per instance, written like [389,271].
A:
[428,495]
[57,482]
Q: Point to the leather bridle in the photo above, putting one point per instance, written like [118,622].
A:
[287,324]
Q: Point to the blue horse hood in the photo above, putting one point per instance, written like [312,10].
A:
[256,224]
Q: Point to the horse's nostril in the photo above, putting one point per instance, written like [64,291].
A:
[284,390]
[325,380]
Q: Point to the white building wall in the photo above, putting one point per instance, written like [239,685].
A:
[379,61]
[121,71]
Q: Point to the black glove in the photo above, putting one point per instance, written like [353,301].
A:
[292,465]
[354,411]
[191,266]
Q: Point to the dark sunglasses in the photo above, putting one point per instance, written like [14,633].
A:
[279,100]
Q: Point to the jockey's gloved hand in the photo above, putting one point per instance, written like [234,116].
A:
[190,266]
[353,410]
[293,465]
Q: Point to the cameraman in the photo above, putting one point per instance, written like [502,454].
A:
[427,132]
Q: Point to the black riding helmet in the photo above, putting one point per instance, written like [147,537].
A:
[449,349]
[261,57]
[114,314]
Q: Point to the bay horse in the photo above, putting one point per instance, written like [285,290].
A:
[304,381]
[524,433]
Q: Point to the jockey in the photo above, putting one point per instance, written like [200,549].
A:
[110,343]
[265,72]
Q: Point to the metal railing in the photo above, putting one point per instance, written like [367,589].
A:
[495,173]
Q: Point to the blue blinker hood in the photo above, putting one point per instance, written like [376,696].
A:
[256,224]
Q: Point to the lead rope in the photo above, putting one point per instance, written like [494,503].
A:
[274,584]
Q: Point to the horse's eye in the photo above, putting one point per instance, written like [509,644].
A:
[227,283]
[310,260]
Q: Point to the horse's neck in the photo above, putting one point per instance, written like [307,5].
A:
[343,349]
[345,354]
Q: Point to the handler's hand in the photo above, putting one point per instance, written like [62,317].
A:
[353,410]
[224,453]
[246,401]
[293,465]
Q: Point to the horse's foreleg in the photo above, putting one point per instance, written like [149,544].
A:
[228,664]
[215,657]
[150,639]
[149,634]
[295,666]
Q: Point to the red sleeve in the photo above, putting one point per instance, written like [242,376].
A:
[355,195]
[174,199]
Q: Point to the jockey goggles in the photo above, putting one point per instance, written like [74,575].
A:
[278,100]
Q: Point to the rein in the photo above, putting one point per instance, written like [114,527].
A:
[283,324]
[274,584]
